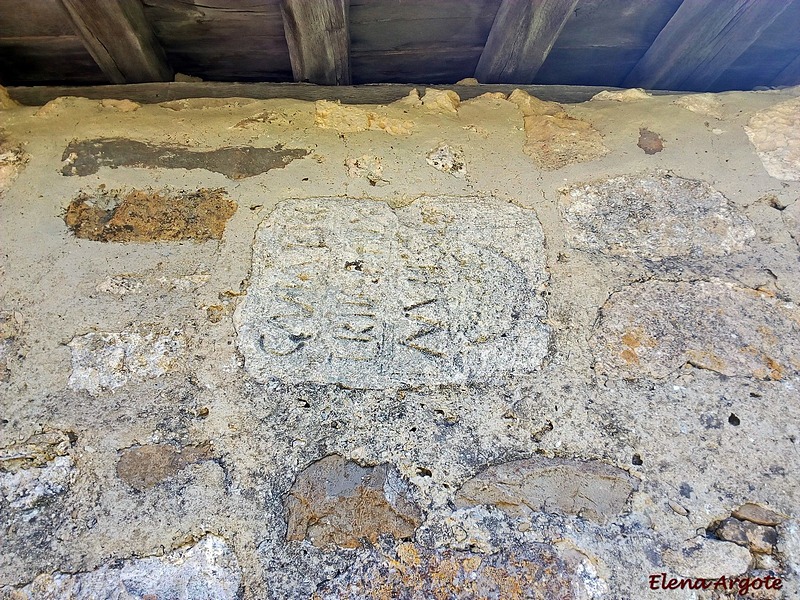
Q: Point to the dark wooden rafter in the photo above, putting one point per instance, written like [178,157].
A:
[318,34]
[790,75]
[521,37]
[120,39]
[700,42]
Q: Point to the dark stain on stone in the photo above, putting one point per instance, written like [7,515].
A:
[149,216]
[85,157]
[650,141]
[142,467]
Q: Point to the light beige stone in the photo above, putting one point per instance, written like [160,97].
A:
[775,134]
[629,95]
[336,501]
[703,104]
[704,558]
[590,489]
[444,101]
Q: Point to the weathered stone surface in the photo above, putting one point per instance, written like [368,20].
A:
[651,329]
[775,133]
[555,142]
[791,216]
[142,467]
[653,217]
[448,160]
[36,451]
[6,101]
[150,216]
[758,515]
[553,138]
[649,141]
[591,489]
[120,105]
[413,572]
[704,104]
[208,570]
[336,501]
[24,488]
[85,157]
[12,160]
[704,558]
[10,330]
[350,119]
[353,292]
[104,361]
[757,538]
[369,167]
[446,101]
[206,103]
[629,95]
[531,106]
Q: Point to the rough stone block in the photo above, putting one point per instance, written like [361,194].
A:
[534,571]
[208,570]
[353,292]
[653,217]
[651,329]
[335,501]
[104,361]
[775,133]
[591,489]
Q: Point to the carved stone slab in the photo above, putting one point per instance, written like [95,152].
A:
[352,292]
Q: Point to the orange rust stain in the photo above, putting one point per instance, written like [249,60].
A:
[631,340]
[707,360]
[629,356]
[775,368]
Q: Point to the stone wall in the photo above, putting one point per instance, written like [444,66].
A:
[500,348]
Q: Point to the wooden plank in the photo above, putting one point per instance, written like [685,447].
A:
[442,65]
[119,38]
[24,18]
[47,60]
[152,93]
[378,25]
[522,35]
[767,57]
[318,35]
[603,41]
[790,75]
[701,41]
[234,40]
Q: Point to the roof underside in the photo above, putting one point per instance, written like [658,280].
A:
[701,45]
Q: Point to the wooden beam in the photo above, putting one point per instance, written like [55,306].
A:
[118,36]
[318,34]
[790,75]
[700,42]
[153,93]
[521,37]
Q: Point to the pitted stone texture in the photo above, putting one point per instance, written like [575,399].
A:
[413,572]
[353,292]
[775,133]
[703,104]
[105,361]
[704,558]
[590,489]
[24,489]
[651,329]
[10,331]
[36,451]
[336,501]
[653,217]
[207,570]
[553,138]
